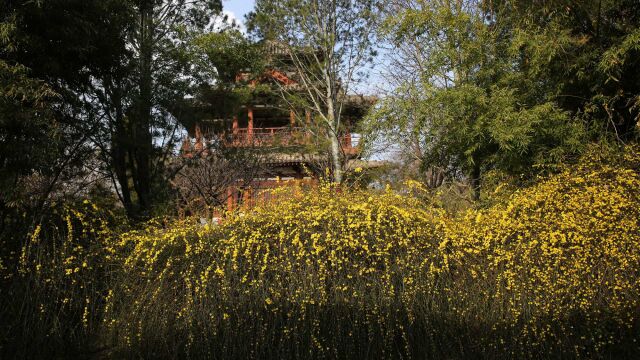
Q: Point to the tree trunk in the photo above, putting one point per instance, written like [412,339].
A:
[119,150]
[336,151]
[336,155]
[143,142]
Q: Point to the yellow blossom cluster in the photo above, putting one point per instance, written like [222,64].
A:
[328,253]
[337,273]
[560,261]
[60,276]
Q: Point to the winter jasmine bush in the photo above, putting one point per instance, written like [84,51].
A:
[553,271]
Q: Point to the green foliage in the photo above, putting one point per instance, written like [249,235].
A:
[488,128]
[25,120]
[583,56]
[228,54]
[470,104]
[50,53]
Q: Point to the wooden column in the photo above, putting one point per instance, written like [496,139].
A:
[250,124]
[234,126]
[230,198]
[234,130]
[246,198]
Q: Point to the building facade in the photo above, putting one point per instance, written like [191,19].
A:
[286,138]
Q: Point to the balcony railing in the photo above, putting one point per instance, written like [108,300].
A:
[265,136]
[278,136]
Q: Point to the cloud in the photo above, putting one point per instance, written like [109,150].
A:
[229,18]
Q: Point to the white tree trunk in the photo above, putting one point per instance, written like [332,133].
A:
[336,158]
[336,150]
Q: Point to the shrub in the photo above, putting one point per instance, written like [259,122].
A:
[554,271]
[317,274]
[347,274]
[53,292]
[559,262]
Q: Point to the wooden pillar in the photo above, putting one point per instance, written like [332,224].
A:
[246,199]
[250,124]
[234,126]
[230,198]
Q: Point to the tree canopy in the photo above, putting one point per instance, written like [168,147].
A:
[105,87]
[327,45]
[508,85]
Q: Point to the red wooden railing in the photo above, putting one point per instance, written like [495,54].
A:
[278,136]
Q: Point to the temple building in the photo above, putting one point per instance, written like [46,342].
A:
[285,136]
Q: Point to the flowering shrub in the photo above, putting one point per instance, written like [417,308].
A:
[51,301]
[560,260]
[302,277]
[552,271]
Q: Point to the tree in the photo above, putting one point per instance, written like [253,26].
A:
[25,120]
[165,27]
[50,51]
[584,55]
[121,69]
[203,182]
[140,99]
[464,105]
[225,54]
[327,43]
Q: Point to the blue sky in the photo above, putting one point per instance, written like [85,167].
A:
[238,8]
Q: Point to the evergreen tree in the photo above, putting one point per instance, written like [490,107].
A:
[160,75]
[50,52]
